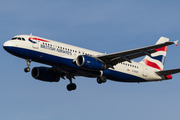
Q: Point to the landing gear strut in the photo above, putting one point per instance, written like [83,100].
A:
[71,86]
[28,64]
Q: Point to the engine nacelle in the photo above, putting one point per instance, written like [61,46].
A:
[45,74]
[88,62]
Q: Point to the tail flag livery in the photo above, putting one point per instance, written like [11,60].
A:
[157,59]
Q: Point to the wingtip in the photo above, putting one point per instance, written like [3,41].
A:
[176,42]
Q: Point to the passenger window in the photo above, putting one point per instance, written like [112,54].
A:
[19,38]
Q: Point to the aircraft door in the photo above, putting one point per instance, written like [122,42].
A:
[145,71]
[35,44]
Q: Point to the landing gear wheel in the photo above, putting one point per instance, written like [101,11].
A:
[71,86]
[101,79]
[27,70]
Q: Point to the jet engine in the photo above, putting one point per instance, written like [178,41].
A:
[45,74]
[88,62]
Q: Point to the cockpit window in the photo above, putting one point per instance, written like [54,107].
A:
[18,38]
[14,38]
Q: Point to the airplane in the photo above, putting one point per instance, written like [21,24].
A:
[70,61]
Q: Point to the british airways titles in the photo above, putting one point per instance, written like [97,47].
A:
[55,49]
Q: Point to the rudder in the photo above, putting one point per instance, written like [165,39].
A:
[157,59]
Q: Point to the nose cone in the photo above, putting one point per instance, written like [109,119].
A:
[7,45]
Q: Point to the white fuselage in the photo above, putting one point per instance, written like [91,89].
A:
[45,47]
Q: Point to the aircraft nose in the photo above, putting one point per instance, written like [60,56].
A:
[6,45]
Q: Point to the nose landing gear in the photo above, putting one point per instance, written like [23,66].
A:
[27,69]
[28,64]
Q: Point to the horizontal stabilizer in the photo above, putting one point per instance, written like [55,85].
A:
[168,72]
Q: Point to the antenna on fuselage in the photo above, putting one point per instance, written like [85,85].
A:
[31,34]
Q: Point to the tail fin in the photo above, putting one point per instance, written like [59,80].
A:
[156,60]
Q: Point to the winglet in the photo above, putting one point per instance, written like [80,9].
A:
[176,42]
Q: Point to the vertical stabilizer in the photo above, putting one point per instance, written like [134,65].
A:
[157,59]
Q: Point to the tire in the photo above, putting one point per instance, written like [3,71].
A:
[73,86]
[99,80]
[27,70]
[103,79]
[69,87]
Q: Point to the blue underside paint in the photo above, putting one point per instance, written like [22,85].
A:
[69,66]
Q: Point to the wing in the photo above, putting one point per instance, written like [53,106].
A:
[115,58]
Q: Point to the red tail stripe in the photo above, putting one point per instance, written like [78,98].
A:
[151,64]
[162,49]
[38,39]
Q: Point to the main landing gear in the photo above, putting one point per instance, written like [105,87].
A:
[28,64]
[101,79]
[71,86]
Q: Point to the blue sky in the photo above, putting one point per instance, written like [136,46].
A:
[104,26]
